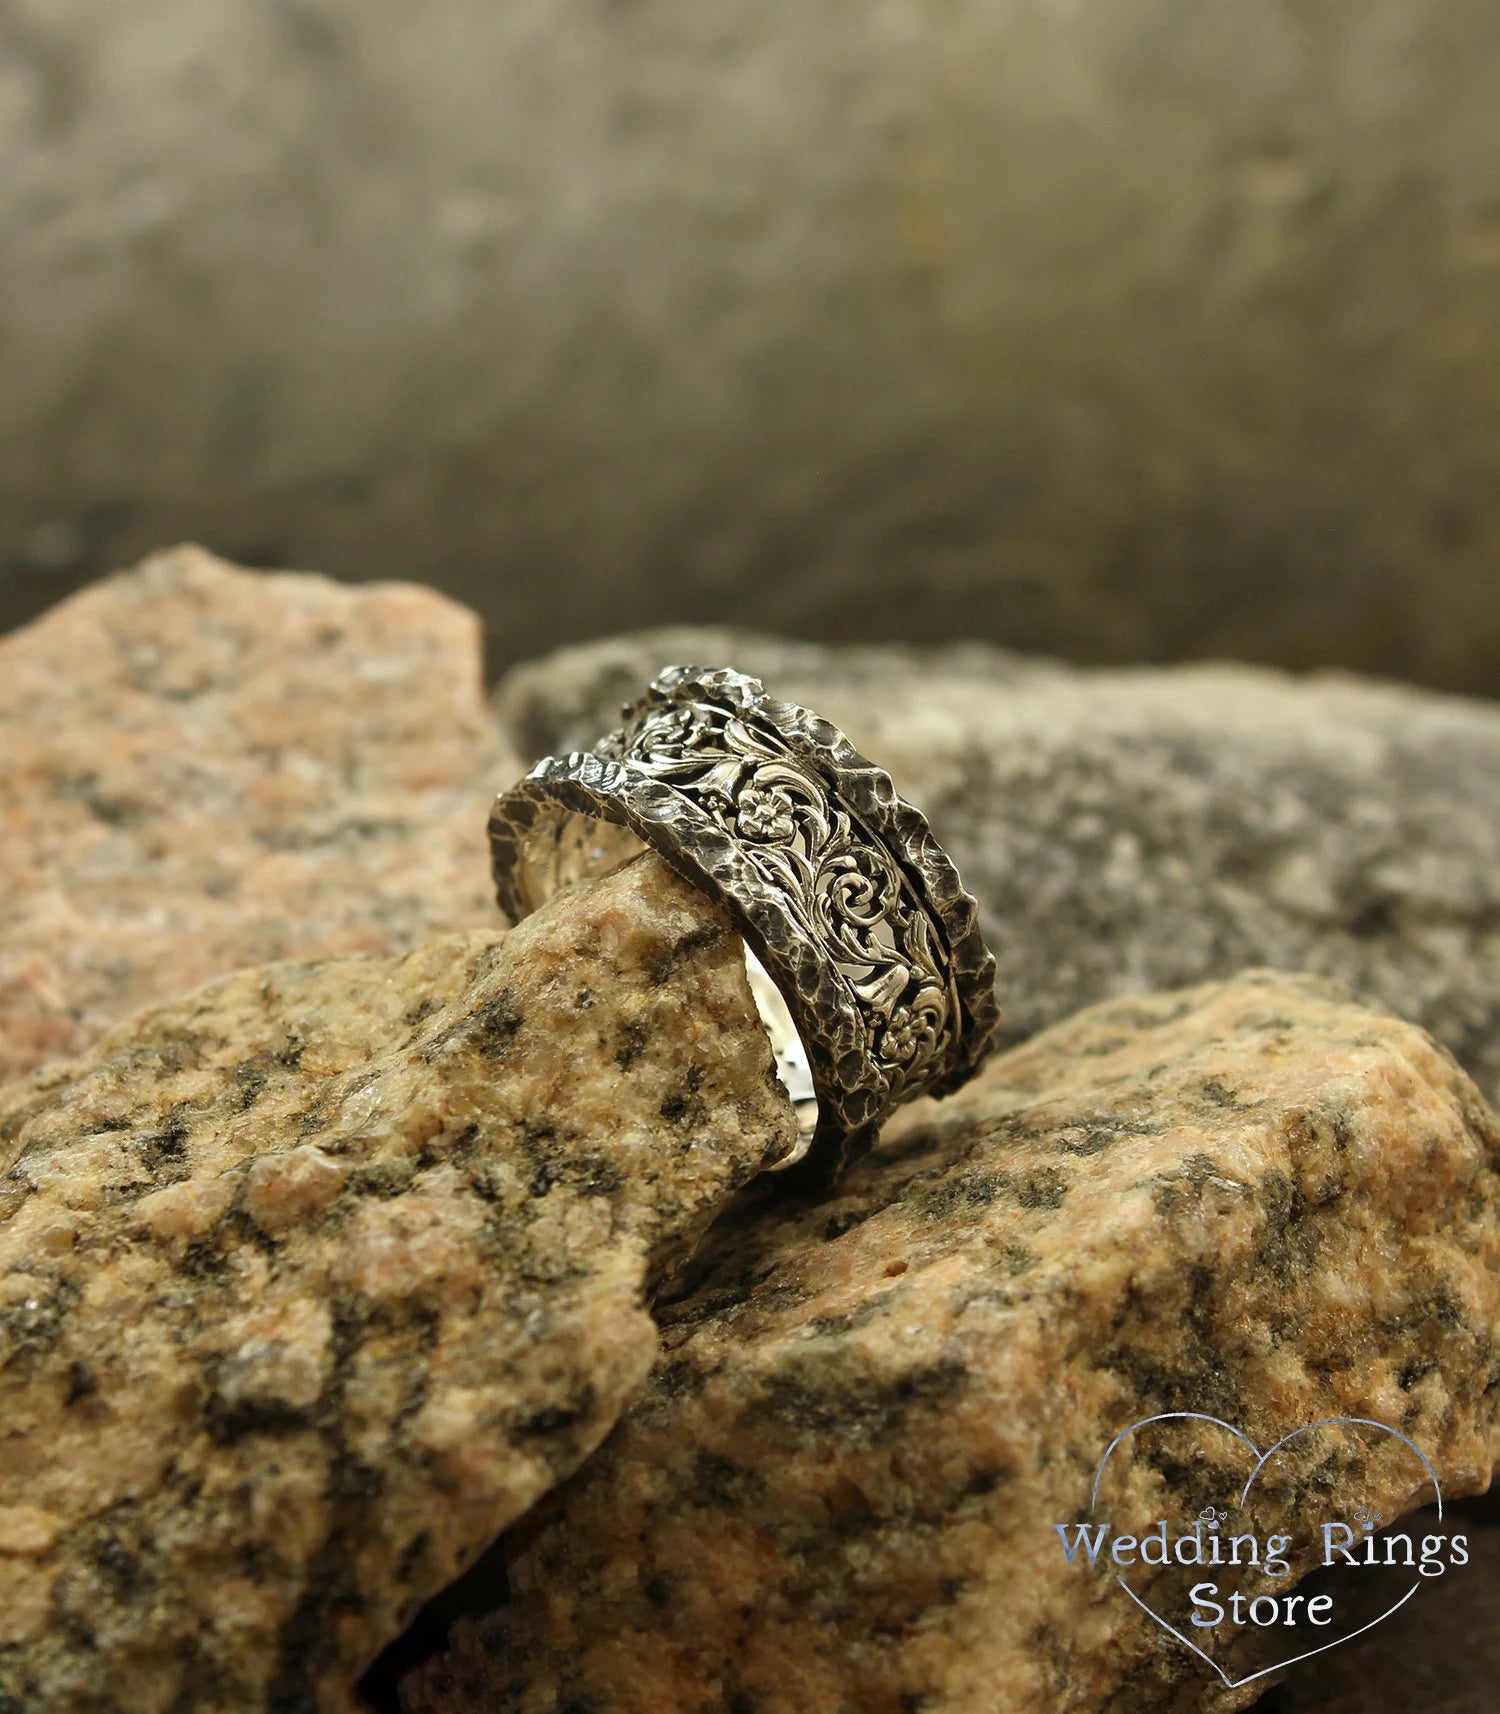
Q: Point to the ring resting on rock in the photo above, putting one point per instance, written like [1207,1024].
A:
[864,951]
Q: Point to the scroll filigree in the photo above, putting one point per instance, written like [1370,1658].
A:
[848,895]
[837,884]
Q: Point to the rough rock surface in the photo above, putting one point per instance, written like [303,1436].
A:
[202,768]
[1261,1200]
[314,1280]
[1128,328]
[1143,829]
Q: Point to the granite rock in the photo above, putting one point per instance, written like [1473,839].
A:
[314,1280]
[203,768]
[1261,1200]
[1149,828]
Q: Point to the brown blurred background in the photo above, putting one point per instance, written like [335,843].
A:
[1126,329]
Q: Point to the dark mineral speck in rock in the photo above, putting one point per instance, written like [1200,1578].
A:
[877,1401]
[273,1371]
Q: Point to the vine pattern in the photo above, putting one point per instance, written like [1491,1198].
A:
[844,890]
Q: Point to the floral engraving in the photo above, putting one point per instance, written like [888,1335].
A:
[765,810]
[846,892]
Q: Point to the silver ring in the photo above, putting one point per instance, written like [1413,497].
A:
[864,950]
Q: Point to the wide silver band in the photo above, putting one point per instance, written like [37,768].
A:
[865,952]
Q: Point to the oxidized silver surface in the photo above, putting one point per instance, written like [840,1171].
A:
[836,883]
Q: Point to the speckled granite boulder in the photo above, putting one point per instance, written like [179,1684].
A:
[1261,1200]
[1142,829]
[314,1280]
[202,768]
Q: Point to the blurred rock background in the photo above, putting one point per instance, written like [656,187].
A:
[1125,329]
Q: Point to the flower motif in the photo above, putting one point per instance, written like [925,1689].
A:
[899,1040]
[765,812]
[910,1034]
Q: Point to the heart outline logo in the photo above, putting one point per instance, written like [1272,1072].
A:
[1261,1460]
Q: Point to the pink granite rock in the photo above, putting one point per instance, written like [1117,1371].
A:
[203,767]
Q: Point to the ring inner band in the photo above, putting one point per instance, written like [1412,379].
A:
[568,847]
